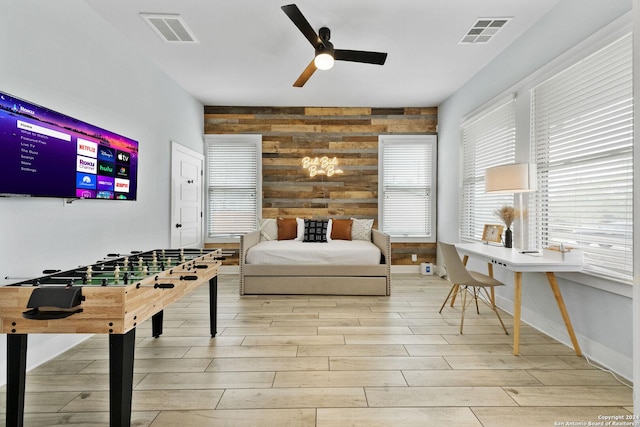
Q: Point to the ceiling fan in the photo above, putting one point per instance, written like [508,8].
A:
[325,53]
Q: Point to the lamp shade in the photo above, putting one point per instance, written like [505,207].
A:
[513,178]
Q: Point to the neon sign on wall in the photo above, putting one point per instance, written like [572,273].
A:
[321,166]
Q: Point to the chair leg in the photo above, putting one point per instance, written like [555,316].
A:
[492,305]
[475,297]
[464,290]
[453,298]
[448,296]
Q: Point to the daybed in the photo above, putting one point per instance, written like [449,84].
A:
[298,266]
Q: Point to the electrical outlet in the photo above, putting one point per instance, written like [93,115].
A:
[414,257]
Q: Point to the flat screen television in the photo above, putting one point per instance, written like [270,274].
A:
[44,153]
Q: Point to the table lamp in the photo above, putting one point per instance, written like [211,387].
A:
[512,178]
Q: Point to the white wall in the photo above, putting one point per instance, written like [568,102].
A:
[601,312]
[61,55]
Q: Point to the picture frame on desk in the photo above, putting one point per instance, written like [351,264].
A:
[492,233]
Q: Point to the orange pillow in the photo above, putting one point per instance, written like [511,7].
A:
[287,228]
[341,229]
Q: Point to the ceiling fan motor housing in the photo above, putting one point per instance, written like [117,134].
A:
[324,33]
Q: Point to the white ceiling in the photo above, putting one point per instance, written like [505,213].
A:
[250,53]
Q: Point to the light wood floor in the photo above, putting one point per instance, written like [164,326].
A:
[330,361]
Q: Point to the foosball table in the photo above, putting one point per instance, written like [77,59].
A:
[111,297]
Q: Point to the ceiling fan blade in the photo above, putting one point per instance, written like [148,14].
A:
[303,25]
[360,56]
[311,68]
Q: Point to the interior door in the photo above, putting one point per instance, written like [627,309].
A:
[186,197]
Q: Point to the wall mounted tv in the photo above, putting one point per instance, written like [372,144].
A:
[44,153]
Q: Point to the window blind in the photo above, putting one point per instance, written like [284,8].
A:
[488,139]
[232,175]
[582,137]
[408,175]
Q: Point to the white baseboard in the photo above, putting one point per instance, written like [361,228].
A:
[405,269]
[229,269]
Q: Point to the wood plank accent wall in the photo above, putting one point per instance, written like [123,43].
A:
[350,134]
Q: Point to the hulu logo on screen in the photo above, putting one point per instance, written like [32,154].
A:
[106,168]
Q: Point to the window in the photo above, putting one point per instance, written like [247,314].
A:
[488,139]
[582,141]
[233,180]
[407,186]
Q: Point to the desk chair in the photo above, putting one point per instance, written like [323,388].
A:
[465,281]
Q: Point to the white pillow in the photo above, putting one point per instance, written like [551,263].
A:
[361,229]
[268,229]
[300,223]
[329,229]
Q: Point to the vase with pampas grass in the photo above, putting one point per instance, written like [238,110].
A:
[507,214]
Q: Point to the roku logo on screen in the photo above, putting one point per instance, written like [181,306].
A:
[85,164]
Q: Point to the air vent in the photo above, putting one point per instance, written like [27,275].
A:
[483,30]
[170,28]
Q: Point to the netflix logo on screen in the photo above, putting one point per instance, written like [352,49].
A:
[87,148]
[85,164]
[123,157]
[122,185]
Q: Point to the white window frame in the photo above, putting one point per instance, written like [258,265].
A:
[252,140]
[488,140]
[606,256]
[430,143]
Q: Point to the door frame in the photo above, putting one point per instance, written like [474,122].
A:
[177,147]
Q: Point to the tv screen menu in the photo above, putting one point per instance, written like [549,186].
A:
[46,153]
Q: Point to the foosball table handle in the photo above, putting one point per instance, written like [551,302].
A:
[156,286]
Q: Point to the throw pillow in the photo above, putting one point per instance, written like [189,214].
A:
[268,229]
[287,228]
[361,229]
[300,230]
[315,230]
[341,229]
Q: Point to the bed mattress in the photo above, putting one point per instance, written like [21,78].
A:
[288,252]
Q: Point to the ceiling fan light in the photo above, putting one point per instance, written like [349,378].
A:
[323,61]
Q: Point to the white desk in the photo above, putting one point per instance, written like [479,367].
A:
[519,263]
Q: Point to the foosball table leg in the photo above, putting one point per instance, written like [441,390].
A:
[213,305]
[121,354]
[156,324]
[16,371]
